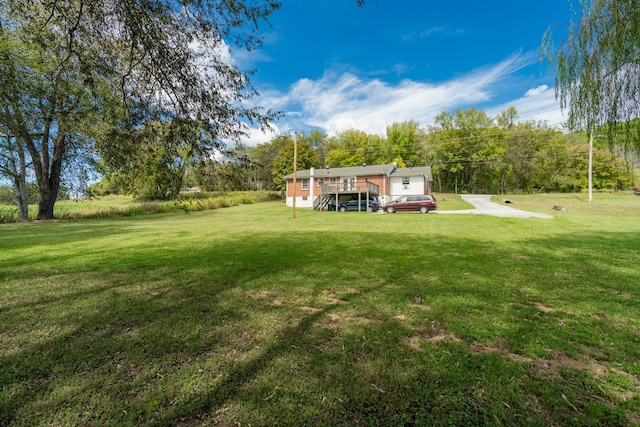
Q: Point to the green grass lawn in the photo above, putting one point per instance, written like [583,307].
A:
[246,316]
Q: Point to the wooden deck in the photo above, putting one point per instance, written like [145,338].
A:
[330,193]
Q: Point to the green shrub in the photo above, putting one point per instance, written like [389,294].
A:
[8,215]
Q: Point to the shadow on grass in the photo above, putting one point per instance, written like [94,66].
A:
[319,329]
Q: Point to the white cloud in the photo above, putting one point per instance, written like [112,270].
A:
[258,136]
[537,90]
[537,104]
[339,102]
[442,30]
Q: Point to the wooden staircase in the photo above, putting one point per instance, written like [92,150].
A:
[321,202]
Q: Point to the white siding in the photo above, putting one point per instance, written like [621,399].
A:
[299,202]
[415,186]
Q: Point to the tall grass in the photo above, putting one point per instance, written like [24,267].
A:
[246,316]
[124,206]
[8,215]
[186,203]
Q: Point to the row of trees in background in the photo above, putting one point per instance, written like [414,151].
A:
[144,92]
[596,82]
[468,151]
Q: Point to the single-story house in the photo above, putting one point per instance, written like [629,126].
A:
[324,188]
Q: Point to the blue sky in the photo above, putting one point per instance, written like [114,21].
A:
[332,66]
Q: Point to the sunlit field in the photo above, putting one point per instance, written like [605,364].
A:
[248,316]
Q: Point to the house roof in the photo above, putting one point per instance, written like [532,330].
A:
[387,169]
[367,170]
[419,171]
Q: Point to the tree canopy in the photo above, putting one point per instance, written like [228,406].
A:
[468,151]
[153,161]
[597,68]
[283,165]
[69,68]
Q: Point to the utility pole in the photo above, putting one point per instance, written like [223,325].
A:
[295,169]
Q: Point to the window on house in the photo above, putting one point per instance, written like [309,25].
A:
[305,198]
[320,182]
[332,181]
[305,184]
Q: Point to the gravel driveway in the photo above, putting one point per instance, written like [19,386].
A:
[484,206]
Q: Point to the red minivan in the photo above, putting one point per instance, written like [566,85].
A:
[422,204]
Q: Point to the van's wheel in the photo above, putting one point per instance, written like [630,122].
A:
[343,209]
[390,210]
[369,209]
[424,209]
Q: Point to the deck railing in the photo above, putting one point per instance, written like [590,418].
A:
[346,187]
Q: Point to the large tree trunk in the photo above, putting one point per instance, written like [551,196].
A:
[48,168]
[49,183]
[22,202]
[16,168]
[48,194]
